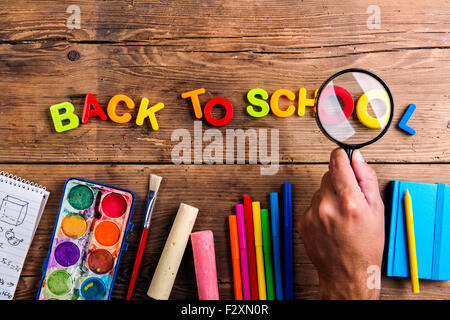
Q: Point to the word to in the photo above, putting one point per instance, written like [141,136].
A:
[68,120]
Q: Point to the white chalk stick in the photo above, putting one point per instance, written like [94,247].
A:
[169,262]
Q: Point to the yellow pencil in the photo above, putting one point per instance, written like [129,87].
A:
[411,243]
[256,208]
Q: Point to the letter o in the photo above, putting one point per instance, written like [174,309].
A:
[228,111]
[361,109]
[347,105]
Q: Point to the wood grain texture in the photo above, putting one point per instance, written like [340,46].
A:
[217,189]
[159,49]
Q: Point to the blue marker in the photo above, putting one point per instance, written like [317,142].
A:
[275,222]
[288,262]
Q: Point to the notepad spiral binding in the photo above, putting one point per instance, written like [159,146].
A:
[16,181]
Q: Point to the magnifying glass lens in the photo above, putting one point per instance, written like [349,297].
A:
[354,108]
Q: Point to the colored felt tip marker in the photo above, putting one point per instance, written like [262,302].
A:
[411,243]
[256,208]
[275,219]
[249,229]
[267,248]
[288,259]
[234,241]
[243,251]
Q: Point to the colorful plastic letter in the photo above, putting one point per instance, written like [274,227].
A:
[347,106]
[112,105]
[304,102]
[195,102]
[274,103]
[88,112]
[145,112]
[364,117]
[68,115]
[228,111]
[254,101]
[403,124]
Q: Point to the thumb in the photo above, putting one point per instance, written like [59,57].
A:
[367,178]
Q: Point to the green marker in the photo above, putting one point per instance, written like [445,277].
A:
[267,245]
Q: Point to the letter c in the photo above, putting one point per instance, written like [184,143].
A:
[112,105]
[274,103]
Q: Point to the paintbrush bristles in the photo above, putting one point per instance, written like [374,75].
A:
[155,181]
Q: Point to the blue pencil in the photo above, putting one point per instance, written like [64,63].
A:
[275,219]
[288,262]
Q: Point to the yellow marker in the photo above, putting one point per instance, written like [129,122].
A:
[411,243]
[259,250]
[88,286]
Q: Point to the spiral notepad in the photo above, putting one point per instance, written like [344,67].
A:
[21,205]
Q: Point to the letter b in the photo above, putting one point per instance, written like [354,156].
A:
[68,115]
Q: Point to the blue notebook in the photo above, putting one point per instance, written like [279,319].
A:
[431,215]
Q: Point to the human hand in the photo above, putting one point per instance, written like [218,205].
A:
[343,229]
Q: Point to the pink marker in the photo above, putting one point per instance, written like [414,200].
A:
[243,250]
[205,265]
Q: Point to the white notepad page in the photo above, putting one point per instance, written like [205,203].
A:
[21,205]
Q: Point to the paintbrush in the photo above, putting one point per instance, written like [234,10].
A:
[155,181]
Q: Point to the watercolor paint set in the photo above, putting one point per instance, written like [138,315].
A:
[88,240]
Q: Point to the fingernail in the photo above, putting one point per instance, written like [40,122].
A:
[357,155]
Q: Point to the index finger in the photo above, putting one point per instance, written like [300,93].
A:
[342,175]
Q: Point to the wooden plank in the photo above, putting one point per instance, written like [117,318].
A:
[328,23]
[217,189]
[158,50]
[37,75]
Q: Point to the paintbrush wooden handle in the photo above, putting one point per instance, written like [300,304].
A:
[137,262]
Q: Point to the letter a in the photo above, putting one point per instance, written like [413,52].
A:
[96,111]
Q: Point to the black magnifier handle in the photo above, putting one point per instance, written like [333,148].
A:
[349,153]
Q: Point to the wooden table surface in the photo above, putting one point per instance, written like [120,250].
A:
[159,49]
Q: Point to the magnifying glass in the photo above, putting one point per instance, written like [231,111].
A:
[354,108]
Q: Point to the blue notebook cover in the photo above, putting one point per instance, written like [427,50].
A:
[431,215]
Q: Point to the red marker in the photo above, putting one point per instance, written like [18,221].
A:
[251,247]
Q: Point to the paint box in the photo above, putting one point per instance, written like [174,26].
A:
[87,242]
